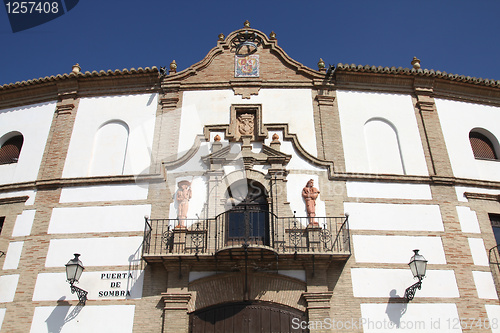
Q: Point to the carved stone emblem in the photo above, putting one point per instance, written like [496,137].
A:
[246,124]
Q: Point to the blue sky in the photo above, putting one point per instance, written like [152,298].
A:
[460,37]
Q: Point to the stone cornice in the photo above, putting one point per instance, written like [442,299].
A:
[482,196]
[81,181]
[12,200]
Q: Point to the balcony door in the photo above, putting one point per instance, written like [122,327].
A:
[247,220]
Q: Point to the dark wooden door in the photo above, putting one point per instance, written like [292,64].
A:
[246,317]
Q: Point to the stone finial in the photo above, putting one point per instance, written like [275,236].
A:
[272,35]
[415,63]
[276,138]
[321,64]
[246,24]
[217,138]
[221,36]
[173,67]
[76,68]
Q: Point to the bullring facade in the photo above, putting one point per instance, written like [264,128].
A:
[250,193]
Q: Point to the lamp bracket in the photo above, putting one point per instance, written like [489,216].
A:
[411,290]
[82,294]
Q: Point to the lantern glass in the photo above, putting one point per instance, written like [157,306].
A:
[74,269]
[418,265]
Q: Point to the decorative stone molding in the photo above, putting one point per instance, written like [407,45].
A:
[320,300]
[325,100]
[12,200]
[66,108]
[240,112]
[482,196]
[246,88]
[176,301]
[169,102]
[170,96]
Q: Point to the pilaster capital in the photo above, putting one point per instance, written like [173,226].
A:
[425,102]
[176,301]
[324,100]
[64,108]
[318,300]
[170,96]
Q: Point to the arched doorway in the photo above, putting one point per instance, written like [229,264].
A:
[262,317]
[247,215]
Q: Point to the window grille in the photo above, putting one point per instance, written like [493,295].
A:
[495,224]
[9,153]
[482,146]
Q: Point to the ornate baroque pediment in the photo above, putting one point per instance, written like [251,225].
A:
[227,156]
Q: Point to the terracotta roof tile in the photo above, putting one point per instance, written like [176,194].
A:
[58,77]
[418,72]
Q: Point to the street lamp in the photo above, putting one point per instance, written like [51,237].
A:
[418,266]
[74,269]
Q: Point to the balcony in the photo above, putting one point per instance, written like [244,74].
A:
[256,235]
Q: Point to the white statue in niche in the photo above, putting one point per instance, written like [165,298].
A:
[310,194]
[184,194]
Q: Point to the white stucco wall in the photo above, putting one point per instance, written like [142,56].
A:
[457,120]
[381,216]
[24,222]
[114,192]
[13,255]
[30,194]
[386,283]
[493,320]
[83,319]
[478,252]
[380,249]
[461,190]
[357,108]
[53,286]
[33,122]
[485,285]
[110,251]
[68,220]
[8,286]
[389,190]
[297,162]
[410,317]
[2,316]
[210,107]
[468,220]
[137,111]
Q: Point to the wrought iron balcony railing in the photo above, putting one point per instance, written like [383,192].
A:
[283,235]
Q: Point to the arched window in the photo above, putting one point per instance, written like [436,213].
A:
[248,214]
[382,145]
[11,149]
[483,144]
[110,148]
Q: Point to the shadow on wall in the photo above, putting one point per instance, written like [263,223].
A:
[136,268]
[59,316]
[396,308]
